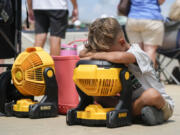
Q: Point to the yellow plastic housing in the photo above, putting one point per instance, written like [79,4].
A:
[94,112]
[23,105]
[96,81]
[27,71]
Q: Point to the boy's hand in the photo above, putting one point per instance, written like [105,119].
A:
[85,53]
[86,58]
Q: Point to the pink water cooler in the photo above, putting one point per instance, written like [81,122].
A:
[67,94]
[68,50]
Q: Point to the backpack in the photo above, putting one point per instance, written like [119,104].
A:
[8,92]
[6,11]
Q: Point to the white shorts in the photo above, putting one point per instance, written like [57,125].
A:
[149,32]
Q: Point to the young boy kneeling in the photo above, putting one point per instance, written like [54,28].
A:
[106,41]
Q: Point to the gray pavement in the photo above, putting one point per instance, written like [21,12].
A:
[57,125]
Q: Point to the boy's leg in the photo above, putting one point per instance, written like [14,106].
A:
[152,107]
[107,101]
[150,97]
[152,116]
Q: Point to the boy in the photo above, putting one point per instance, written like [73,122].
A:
[106,42]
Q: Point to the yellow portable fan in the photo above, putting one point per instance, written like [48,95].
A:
[33,75]
[101,78]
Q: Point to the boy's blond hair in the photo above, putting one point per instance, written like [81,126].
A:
[102,34]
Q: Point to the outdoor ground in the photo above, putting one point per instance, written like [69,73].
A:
[57,125]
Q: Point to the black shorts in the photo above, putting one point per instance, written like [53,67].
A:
[54,20]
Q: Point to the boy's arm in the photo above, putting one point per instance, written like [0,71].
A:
[115,57]
[83,53]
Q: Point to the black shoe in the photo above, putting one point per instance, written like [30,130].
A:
[152,116]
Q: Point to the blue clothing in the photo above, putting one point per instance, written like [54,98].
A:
[145,9]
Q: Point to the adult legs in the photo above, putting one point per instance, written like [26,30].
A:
[1,68]
[141,45]
[58,24]
[40,40]
[41,27]
[151,51]
[55,43]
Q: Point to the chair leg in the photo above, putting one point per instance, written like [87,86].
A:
[176,81]
[162,70]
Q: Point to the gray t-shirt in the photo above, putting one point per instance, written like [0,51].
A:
[145,72]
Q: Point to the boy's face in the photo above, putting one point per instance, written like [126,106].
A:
[119,45]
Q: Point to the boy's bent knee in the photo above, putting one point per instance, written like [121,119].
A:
[152,97]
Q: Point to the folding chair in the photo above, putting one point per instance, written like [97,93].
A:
[10,47]
[163,69]
[170,50]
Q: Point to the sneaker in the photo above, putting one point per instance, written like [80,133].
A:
[152,116]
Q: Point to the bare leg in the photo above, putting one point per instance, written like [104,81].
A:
[150,97]
[106,101]
[141,45]
[1,68]
[40,40]
[151,51]
[55,43]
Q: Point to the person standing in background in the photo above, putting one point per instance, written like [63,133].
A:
[1,68]
[145,25]
[51,14]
